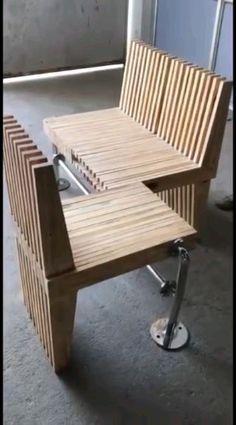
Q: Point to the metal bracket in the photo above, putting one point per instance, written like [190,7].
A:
[168,333]
[62,184]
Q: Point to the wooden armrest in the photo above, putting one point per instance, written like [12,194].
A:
[182,178]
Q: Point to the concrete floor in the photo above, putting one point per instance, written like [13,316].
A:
[118,375]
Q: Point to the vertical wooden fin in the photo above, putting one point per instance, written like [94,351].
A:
[201,191]
[143,86]
[61,313]
[211,149]
[55,244]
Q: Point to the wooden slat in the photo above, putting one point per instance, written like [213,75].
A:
[55,245]
[132,79]
[140,77]
[127,75]
[16,143]
[141,50]
[110,221]
[210,152]
[193,115]
[181,200]
[206,118]
[162,70]
[8,125]
[156,61]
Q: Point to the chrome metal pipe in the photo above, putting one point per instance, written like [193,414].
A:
[157,275]
[180,289]
[73,177]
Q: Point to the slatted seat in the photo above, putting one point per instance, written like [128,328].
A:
[63,247]
[118,223]
[107,158]
[167,131]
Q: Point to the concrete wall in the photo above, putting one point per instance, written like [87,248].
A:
[50,34]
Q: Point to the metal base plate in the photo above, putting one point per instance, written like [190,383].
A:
[62,184]
[179,338]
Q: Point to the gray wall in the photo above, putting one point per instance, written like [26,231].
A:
[49,34]
[185,28]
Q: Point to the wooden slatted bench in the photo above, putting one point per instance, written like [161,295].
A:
[166,132]
[65,246]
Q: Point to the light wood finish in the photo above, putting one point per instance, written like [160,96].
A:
[55,245]
[167,131]
[108,158]
[63,247]
[41,238]
[118,223]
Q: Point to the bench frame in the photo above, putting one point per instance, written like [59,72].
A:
[48,276]
[177,101]
[48,273]
[168,333]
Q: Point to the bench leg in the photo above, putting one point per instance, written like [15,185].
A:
[169,333]
[61,317]
[201,191]
[53,318]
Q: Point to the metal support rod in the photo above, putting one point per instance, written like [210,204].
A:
[157,275]
[62,184]
[180,289]
[59,159]
[56,165]
[168,333]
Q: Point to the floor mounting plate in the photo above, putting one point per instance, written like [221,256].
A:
[180,335]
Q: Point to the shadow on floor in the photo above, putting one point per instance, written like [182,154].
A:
[218,230]
[143,403]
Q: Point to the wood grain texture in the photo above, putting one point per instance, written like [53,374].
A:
[118,224]
[42,242]
[55,245]
[166,133]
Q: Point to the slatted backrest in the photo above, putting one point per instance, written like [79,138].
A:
[195,101]
[34,200]
[144,82]
[179,101]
